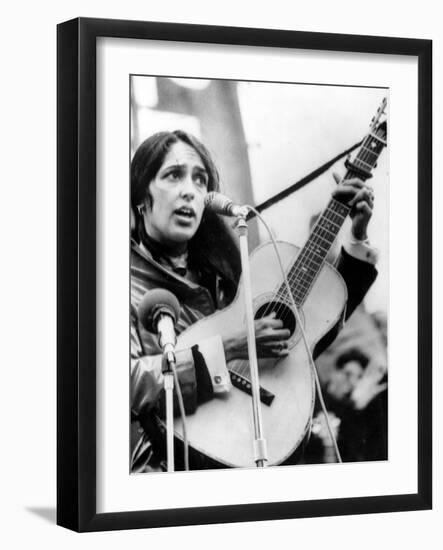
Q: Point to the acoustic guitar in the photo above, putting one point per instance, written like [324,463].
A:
[222,428]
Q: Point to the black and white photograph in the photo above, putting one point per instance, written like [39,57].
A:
[220,289]
[244,275]
[259,273]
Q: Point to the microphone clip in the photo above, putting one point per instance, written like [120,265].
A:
[168,361]
[166,339]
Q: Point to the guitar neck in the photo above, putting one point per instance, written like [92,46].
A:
[309,262]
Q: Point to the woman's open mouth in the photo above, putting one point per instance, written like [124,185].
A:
[185,214]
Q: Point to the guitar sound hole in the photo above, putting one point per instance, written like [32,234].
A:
[282,312]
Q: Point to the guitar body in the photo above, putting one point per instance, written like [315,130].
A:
[222,428]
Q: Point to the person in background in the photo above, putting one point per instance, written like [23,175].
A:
[357,393]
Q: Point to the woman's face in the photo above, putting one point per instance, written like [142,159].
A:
[178,192]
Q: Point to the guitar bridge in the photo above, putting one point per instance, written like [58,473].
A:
[242,383]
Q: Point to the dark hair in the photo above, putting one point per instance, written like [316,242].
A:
[150,155]
[353,354]
[213,242]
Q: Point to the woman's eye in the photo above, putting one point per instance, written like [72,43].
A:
[201,180]
[174,176]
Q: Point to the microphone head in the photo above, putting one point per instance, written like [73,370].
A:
[157,302]
[224,206]
[218,203]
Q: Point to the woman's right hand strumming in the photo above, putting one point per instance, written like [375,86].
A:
[270,336]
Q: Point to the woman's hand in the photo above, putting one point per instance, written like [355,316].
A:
[270,336]
[360,198]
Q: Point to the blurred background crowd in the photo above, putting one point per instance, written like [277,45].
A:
[266,137]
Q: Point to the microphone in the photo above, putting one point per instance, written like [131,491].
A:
[221,204]
[158,312]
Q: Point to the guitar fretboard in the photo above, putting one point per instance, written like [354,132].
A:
[305,269]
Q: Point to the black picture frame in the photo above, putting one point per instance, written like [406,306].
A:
[76,273]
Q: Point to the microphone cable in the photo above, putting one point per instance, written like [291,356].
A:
[303,334]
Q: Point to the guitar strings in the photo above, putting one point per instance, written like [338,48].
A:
[242,366]
[297,275]
[307,253]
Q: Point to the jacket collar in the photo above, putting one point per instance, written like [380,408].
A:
[154,266]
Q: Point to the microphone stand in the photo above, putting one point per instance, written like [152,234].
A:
[168,384]
[158,312]
[260,450]
[169,391]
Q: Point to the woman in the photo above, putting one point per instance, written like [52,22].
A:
[180,246]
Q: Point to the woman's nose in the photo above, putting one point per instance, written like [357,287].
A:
[188,189]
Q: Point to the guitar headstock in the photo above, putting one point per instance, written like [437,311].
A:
[371,146]
[379,121]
